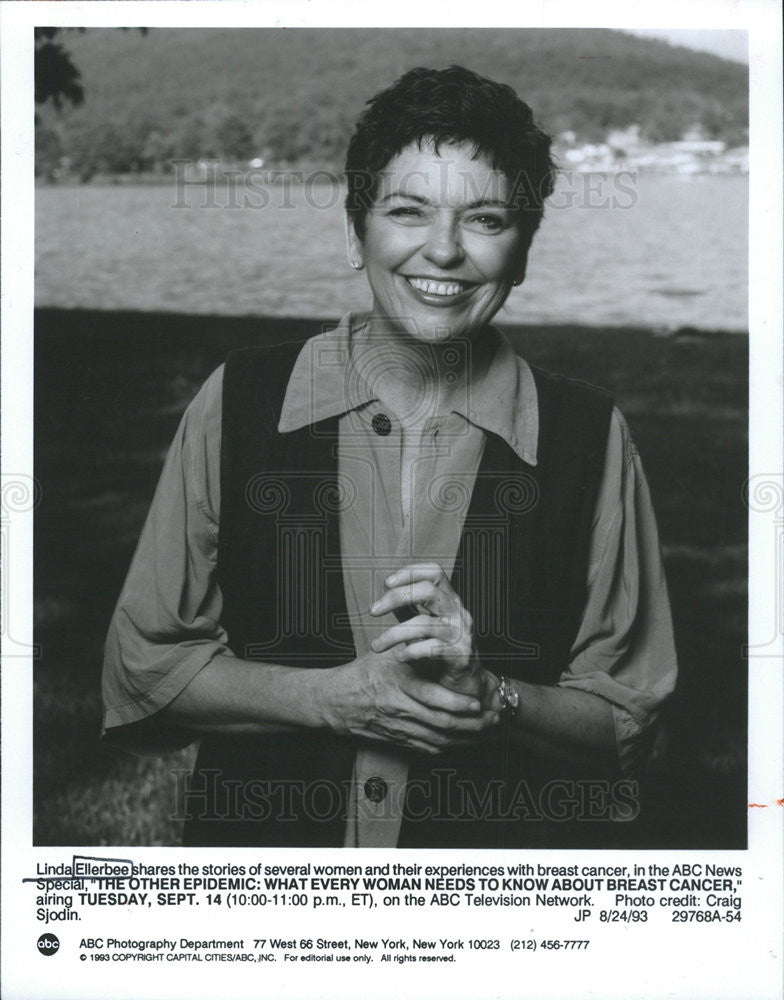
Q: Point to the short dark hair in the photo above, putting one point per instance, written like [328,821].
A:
[451,106]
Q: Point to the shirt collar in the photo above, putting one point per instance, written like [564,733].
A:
[323,383]
[501,399]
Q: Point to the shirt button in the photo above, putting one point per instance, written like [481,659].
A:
[382,425]
[376,789]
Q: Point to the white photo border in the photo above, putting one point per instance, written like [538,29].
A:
[758,955]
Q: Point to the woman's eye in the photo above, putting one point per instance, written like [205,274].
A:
[405,212]
[487,223]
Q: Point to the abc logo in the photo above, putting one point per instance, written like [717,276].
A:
[48,944]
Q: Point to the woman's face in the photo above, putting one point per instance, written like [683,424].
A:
[441,246]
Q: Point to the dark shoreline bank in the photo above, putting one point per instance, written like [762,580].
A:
[102,320]
[626,359]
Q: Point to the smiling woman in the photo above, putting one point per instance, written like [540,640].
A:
[429,245]
[447,177]
[404,587]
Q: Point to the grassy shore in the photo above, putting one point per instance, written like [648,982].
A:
[110,388]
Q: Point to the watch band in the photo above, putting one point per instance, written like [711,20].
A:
[510,698]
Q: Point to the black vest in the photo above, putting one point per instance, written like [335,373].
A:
[521,571]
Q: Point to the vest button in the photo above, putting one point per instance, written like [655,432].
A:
[382,425]
[376,789]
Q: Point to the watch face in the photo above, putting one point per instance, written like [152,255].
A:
[511,697]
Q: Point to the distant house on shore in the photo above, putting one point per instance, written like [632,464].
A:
[626,149]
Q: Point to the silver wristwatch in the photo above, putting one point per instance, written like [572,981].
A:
[510,698]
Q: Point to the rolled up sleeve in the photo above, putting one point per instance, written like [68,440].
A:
[624,651]
[166,626]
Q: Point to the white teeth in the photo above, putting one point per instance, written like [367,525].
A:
[435,287]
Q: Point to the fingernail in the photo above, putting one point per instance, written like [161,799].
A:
[391,580]
[374,645]
[374,608]
[474,706]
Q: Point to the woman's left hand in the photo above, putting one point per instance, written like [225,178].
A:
[442,632]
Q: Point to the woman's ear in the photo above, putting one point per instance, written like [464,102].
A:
[519,271]
[356,257]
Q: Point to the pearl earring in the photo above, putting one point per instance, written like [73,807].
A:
[355,264]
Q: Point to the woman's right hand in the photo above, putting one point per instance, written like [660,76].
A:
[379,697]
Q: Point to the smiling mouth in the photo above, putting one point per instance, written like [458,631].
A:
[443,289]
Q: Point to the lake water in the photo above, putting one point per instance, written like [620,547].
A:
[653,251]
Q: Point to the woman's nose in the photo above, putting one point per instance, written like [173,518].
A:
[443,247]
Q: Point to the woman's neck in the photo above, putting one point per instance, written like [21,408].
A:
[415,379]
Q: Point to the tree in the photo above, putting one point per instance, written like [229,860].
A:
[235,139]
[56,77]
[48,151]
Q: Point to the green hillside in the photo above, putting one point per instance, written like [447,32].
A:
[292,95]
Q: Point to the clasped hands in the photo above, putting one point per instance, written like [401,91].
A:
[422,686]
